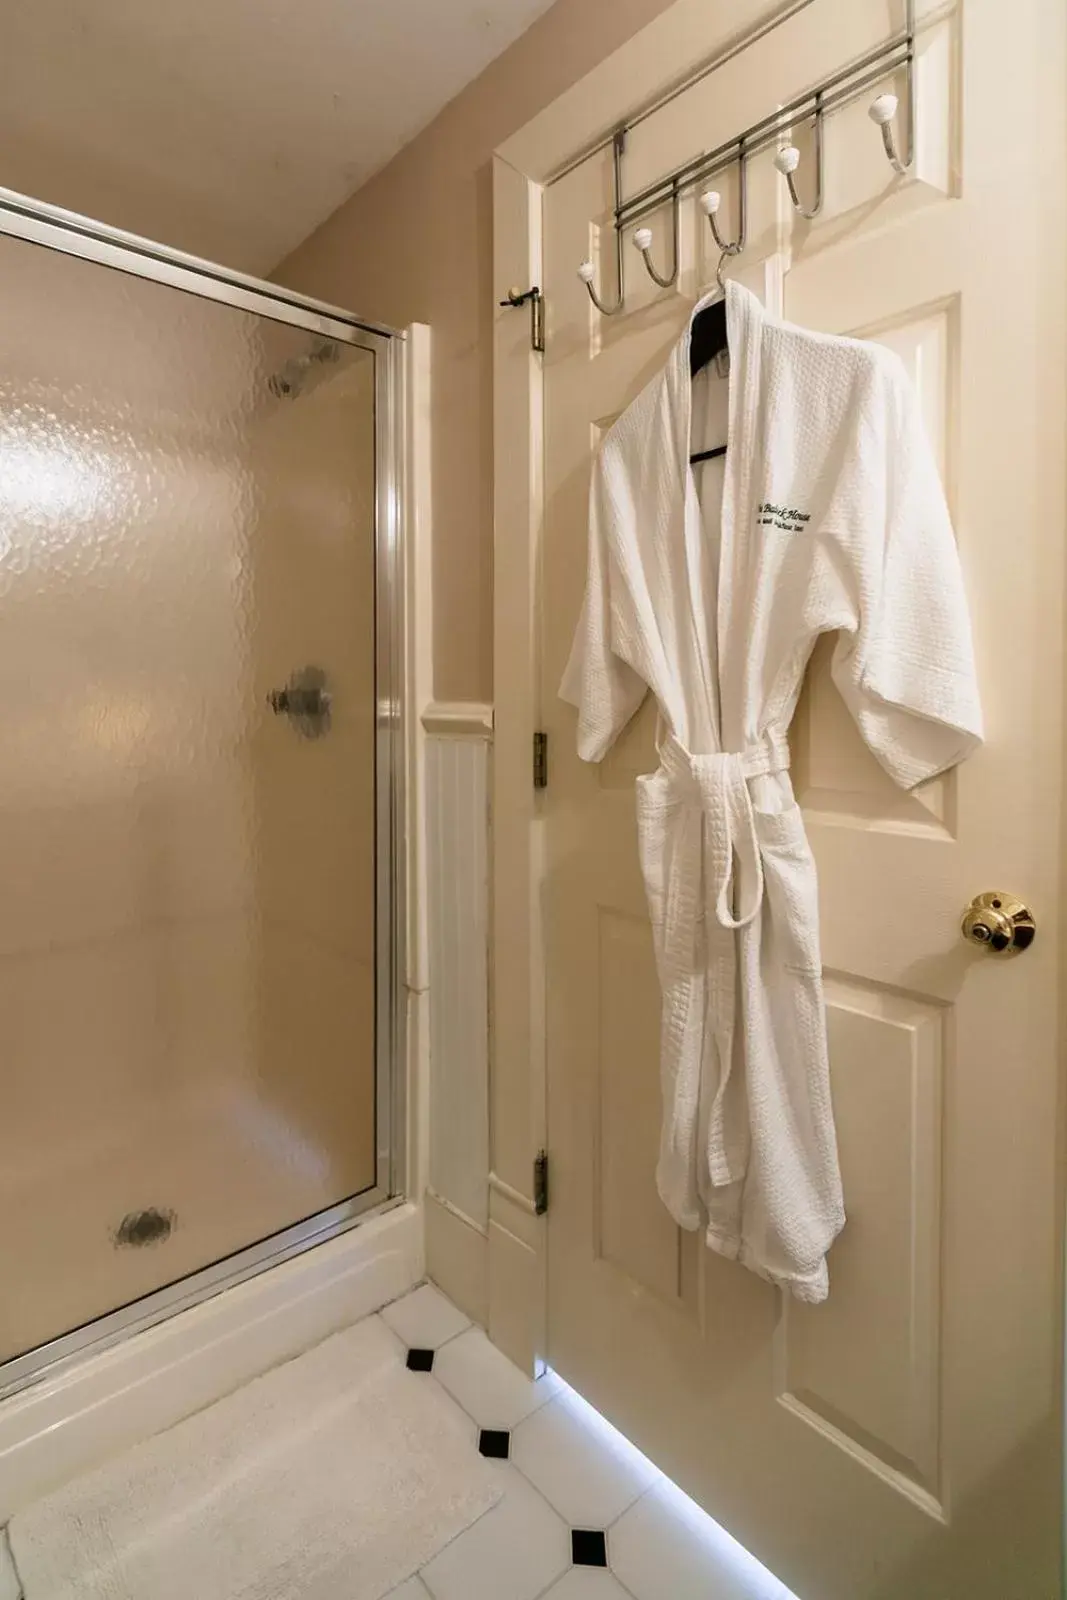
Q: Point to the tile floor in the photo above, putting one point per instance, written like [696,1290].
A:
[583,1516]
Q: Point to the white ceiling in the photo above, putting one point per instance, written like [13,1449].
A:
[230,128]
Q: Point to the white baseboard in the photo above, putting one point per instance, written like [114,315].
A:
[112,1400]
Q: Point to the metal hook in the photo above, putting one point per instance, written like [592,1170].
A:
[788,159]
[587,271]
[711,200]
[643,241]
[883,110]
[719,279]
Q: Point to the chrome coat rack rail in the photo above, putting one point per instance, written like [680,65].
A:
[832,93]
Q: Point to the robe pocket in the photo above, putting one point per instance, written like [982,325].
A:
[657,811]
[662,832]
[791,889]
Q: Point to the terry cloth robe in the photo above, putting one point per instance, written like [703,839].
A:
[832,520]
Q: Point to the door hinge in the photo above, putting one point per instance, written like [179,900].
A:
[540,760]
[540,1183]
[520,297]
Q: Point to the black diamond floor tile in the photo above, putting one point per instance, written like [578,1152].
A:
[589,1548]
[495,1442]
[420,1360]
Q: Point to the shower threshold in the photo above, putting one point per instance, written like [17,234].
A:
[51,1359]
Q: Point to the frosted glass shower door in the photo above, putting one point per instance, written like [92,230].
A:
[187,784]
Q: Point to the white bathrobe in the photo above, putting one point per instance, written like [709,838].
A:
[833,520]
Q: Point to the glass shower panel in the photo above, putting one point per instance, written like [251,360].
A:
[187,783]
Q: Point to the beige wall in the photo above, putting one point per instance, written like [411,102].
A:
[415,245]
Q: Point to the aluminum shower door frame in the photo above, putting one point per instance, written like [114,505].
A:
[56,229]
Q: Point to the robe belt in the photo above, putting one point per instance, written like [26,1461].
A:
[718,835]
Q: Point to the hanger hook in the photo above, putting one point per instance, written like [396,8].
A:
[643,242]
[883,110]
[788,159]
[719,279]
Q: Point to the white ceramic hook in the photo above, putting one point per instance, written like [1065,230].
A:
[643,245]
[711,200]
[882,112]
[710,203]
[587,272]
[787,160]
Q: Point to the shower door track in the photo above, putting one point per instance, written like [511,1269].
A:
[39,223]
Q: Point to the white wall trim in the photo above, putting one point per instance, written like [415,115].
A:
[64,1425]
[458,718]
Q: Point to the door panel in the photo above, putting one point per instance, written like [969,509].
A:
[187,1054]
[903,1438]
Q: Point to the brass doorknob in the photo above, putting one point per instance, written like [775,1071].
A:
[1000,923]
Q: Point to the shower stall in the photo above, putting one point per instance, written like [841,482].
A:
[199,780]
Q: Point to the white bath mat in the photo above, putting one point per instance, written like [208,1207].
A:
[333,1477]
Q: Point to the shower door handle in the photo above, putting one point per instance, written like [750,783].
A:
[305,700]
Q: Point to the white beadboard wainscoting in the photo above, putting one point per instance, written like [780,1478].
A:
[458,751]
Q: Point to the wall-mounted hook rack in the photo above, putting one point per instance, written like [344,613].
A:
[839,89]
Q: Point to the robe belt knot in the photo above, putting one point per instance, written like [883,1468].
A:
[716,784]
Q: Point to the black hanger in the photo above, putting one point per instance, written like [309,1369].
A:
[707,339]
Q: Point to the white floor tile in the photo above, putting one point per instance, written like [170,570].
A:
[513,1552]
[589,1474]
[414,1589]
[664,1545]
[10,1588]
[424,1319]
[487,1386]
[587,1583]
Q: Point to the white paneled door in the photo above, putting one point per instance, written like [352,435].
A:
[900,1442]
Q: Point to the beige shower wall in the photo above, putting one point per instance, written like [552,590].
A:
[415,245]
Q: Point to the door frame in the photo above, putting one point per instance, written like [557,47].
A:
[401,366]
[684,48]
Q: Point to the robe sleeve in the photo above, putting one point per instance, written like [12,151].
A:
[604,686]
[906,668]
